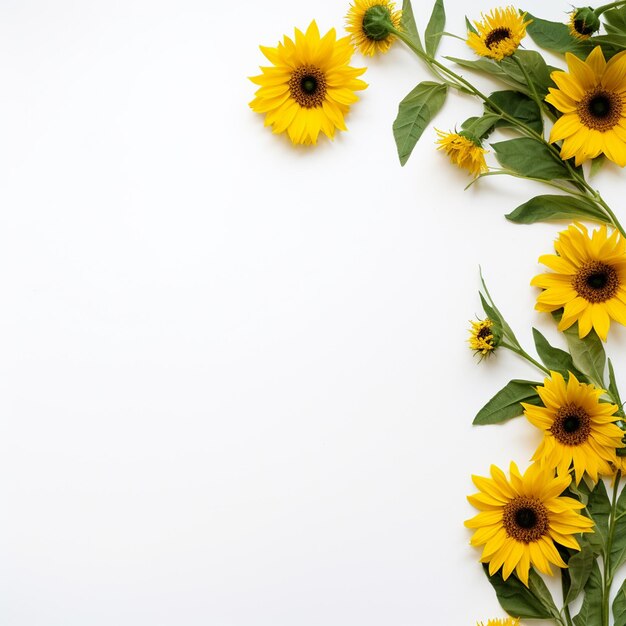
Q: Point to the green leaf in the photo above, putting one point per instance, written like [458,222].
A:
[618,548]
[494,314]
[415,112]
[485,66]
[555,207]
[530,158]
[619,606]
[408,24]
[434,29]
[506,403]
[591,611]
[480,127]
[588,354]
[579,569]
[599,507]
[615,20]
[470,26]
[519,106]
[536,68]
[532,602]
[555,36]
[596,165]
[614,390]
[553,358]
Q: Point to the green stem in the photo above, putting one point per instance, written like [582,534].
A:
[550,183]
[521,352]
[533,90]
[607,578]
[605,7]
[565,585]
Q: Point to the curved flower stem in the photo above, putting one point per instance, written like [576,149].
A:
[521,352]
[607,578]
[550,183]
[531,85]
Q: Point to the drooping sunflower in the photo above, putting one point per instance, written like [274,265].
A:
[499,34]
[589,280]
[483,338]
[463,151]
[521,519]
[592,99]
[579,430]
[309,87]
[366,24]
[583,23]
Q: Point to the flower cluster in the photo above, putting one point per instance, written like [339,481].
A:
[561,125]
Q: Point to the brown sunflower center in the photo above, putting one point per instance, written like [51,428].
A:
[497,35]
[572,425]
[600,109]
[307,86]
[484,333]
[581,27]
[596,282]
[525,519]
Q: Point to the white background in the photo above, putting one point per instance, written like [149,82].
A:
[235,388]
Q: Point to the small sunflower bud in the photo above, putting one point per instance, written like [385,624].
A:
[583,23]
[377,24]
[484,337]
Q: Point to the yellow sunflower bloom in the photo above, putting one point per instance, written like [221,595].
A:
[463,152]
[509,621]
[370,40]
[579,430]
[588,282]
[310,86]
[522,517]
[592,98]
[482,338]
[499,34]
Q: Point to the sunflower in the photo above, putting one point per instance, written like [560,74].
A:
[583,23]
[521,519]
[310,87]
[463,151]
[592,98]
[579,430]
[499,34]
[590,280]
[483,339]
[368,25]
[509,621]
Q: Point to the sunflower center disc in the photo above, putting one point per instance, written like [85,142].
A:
[572,425]
[581,28]
[484,332]
[525,519]
[600,109]
[596,282]
[307,86]
[496,36]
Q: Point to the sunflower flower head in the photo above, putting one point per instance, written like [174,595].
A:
[579,430]
[583,23]
[588,280]
[464,151]
[309,88]
[484,337]
[592,99]
[520,518]
[508,621]
[499,34]
[371,24]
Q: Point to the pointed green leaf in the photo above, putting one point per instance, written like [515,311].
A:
[519,106]
[579,568]
[553,358]
[591,611]
[554,207]
[599,507]
[619,606]
[415,112]
[530,158]
[588,354]
[408,23]
[507,402]
[485,66]
[481,127]
[614,390]
[470,26]
[615,20]
[536,68]
[532,602]
[555,36]
[435,27]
